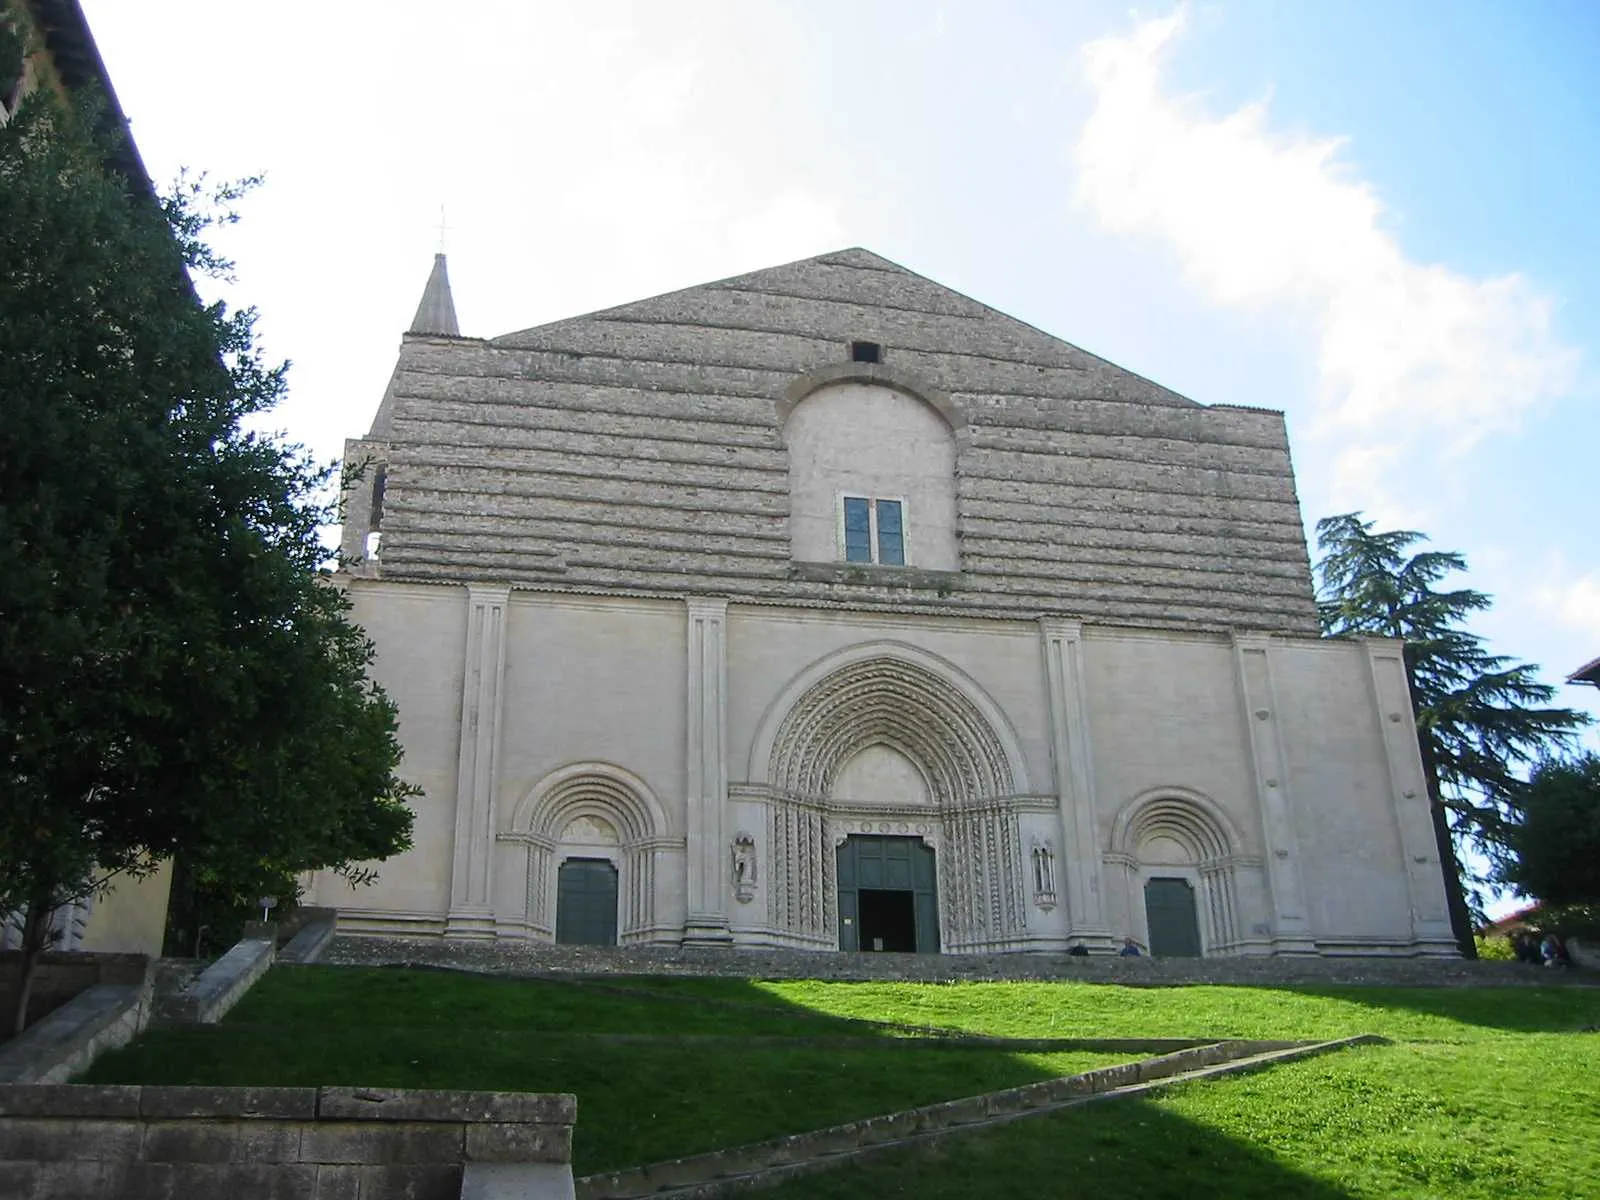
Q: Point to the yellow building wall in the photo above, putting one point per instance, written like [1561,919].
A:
[132,917]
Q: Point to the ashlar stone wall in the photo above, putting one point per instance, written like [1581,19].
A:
[136,1143]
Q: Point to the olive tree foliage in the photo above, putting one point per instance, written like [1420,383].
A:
[177,675]
[1555,842]
[1482,719]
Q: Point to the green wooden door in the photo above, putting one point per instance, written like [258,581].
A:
[586,903]
[888,864]
[1169,911]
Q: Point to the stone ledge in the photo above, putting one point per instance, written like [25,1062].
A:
[66,1041]
[405,1104]
[327,1105]
[220,986]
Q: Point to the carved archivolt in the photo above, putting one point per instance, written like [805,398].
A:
[957,739]
[1193,821]
[887,700]
[592,796]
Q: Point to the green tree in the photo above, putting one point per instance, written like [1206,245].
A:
[1555,840]
[176,674]
[1481,718]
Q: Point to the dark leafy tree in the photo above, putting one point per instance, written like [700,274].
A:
[1555,842]
[1481,718]
[176,675]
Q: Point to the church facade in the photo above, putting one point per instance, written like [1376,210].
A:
[827,608]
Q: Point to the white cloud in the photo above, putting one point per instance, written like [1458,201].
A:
[1573,603]
[1266,221]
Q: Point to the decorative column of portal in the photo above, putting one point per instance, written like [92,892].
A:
[1069,748]
[706,789]
[1391,698]
[471,912]
[1291,926]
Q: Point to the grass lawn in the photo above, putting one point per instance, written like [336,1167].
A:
[656,1077]
[1486,1092]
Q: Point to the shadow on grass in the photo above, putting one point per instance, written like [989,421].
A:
[1524,1009]
[1109,1150]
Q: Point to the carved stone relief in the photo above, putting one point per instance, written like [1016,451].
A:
[744,868]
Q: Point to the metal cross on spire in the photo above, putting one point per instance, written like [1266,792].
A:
[443,228]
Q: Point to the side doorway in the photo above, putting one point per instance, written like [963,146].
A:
[586,903]
[1170,915]
[888,895]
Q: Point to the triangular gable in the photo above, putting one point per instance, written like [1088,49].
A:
[838,296]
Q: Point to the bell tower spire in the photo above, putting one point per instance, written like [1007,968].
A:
[437,312]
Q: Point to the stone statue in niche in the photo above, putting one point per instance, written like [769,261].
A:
[1044,874]
[744,868]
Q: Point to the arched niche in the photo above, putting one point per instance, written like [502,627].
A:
[866,439]
[1176,833]
[592,811]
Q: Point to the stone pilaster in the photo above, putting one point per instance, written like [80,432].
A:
[1062,642]
[471,907]
[1291,923]
[706,784]
[1391,698]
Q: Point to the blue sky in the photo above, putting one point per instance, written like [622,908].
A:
[1377,217]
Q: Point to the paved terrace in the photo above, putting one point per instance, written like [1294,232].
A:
[508,957]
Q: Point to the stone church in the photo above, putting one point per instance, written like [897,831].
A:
[827,608]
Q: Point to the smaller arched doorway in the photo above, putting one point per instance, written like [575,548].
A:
[586,902]
[888,895]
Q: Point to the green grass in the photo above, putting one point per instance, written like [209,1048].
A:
[1486,1092]
[655,1077]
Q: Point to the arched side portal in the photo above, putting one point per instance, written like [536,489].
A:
[591,813]
[968,769]
[1179,855]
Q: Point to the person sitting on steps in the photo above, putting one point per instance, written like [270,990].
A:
[1130,949]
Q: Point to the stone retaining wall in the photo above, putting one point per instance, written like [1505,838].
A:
[65,1043]
[138,1143]
[63,974]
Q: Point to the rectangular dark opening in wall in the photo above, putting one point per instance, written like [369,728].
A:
[866,352]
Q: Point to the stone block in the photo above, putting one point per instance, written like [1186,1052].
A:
[68,1100]
[188,1142]
[17,1179]
[280,1103]
[381,1143]
[516,1181]
[267,1141]
[67,1139]
[338,1181]
[78,1180]
[245,1181]
[418,1181]
[518,1142]
[151,1181]
[404,1104]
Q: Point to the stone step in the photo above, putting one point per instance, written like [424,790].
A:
[511,956]
[762,1164]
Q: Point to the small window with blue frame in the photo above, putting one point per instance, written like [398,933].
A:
[874,531]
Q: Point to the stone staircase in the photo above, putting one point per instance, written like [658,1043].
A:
[528,958]
[763,1164]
